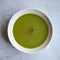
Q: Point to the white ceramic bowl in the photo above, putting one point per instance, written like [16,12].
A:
[10,30]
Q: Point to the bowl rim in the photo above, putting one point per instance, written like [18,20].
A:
[10,28]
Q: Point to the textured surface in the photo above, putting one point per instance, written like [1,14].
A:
[51,8]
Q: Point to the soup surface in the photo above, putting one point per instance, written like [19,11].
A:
[30,30]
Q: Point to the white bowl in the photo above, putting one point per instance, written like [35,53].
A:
[10,30]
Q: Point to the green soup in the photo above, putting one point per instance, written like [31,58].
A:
[30,30]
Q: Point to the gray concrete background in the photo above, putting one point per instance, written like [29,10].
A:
[51,8]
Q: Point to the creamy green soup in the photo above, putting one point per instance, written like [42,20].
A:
[30,30]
